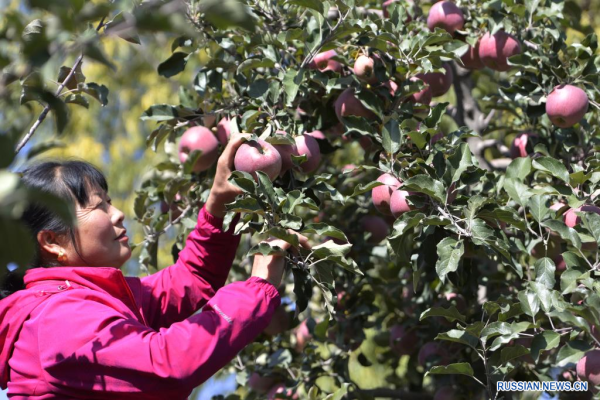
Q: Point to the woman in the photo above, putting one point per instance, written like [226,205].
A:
[80,330]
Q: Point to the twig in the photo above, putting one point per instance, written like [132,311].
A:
[309,57]
[154,235]
[46,109]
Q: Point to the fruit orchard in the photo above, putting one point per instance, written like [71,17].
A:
[440,156]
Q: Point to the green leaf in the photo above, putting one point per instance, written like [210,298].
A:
[247,204]
[450,313]
[519,168]
[266,249]
[99,92]
[503,329]
[544,272]
[120,27]
[552,166]
[77,99]
[538,206]
[510,353]
[449,251]
[391,137]
[459,336]
[544,295]
[266,187]
[316,5]
[564,231]
[571,352]
[591,221]
[17,244]
[173,65]
[58,108]
[283,234]
[340,393]
[517,191]
[166,112]
[244,181]
[544,341]
[330,248]
[459,161]
[291,84]
[225,14]
[258,89]
[425,184]
[323,230]
[365,187]
[452,369]
[529,302]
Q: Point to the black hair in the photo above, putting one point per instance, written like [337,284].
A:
[71,181]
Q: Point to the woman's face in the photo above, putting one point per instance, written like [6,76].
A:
[100,235]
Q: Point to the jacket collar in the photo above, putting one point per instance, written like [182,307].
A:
[103,279]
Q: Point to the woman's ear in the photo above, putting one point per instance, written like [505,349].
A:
[51,243]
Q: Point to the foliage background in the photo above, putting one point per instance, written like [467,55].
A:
[113,136]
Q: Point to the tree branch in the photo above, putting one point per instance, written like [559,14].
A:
[46,109]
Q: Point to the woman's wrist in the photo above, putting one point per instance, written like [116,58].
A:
[215,205]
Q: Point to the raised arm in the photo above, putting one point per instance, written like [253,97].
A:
[118,356]
[178,291]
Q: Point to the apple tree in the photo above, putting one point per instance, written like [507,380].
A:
[439,155]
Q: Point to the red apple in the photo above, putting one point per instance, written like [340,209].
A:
[403,341]
[202,139]
[317,135]
[258,156]
[518,148]
[279,323]
[560,263]
[280,388]
[457,300]
[323,62]
[308,145]
[588,368]
[471,58]
[423,96]
[433,352]
[173,207]
[223,130]
[261,384]
[209,120]
[285,151]
[435,138]
[452,192]
[398,203]
[376,226]
[445,393]
[349,167]
[445,15]
[380,195]
[595,332]
[495,50]
[303,336]
[439,82]
[572,220]
[566,105]
[392,87]
[364,69]
[347,104]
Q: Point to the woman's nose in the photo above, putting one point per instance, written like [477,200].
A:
[117,215]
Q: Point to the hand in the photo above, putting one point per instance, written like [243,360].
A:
[223,192]
[270,268]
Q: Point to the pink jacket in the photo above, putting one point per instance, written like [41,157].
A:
[91,333]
